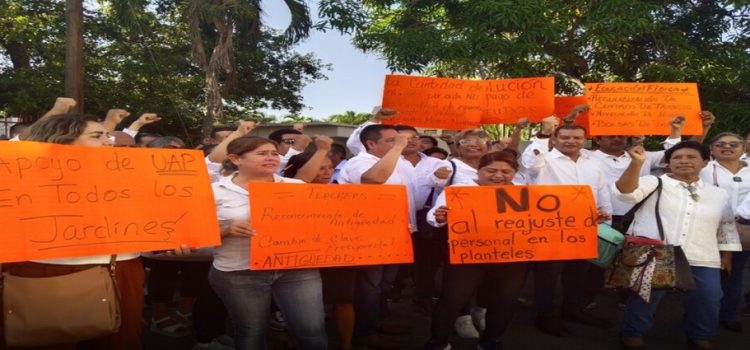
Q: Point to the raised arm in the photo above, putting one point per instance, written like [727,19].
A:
[515,136]
[219,153]
[384,168]
[708,120]
[309,171]
[143,120]
[113,118]
[628,181]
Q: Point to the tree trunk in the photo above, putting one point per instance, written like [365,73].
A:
[214,103]
[74,52]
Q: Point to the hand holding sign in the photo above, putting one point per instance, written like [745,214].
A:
[238,228]
[441,214]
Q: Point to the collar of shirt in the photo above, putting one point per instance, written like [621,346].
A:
[601,154]
[557,154]
[227,183]
[669,181]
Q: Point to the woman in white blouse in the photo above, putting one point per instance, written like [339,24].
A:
[460,282]
[727,171]
[697,217]
[247,294]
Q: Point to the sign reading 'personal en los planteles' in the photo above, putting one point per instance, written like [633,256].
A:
[521,223]
[306,225]
[460,103]
[61,201]
[642,108]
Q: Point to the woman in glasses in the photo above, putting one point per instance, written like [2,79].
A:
[727,171]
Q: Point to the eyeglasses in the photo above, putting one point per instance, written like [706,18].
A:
[288,141]
[733,144]
[477,141]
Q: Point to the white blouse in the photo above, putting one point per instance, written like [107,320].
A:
[233,203]
[701,227]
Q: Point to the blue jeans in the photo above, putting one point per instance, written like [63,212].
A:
[367,302]
[247,297]
[732,287]
[701,308]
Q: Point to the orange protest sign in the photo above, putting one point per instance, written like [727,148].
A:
[307,225]
[520,223]
[434,102]
[642,108]
[565,104]
[61,201]
[511,99]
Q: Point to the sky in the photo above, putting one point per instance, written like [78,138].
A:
[355,81]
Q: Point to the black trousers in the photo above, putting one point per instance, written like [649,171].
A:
[546,274]
[503,282]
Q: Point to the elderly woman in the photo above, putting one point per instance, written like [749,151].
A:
[247,294]
[728,172]
[86,131]
[696,216]
[461,281]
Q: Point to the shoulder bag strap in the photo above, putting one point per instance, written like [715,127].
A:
[631,213]
[656,210]
[453,173]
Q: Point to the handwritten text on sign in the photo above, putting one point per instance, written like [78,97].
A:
[642,108]
[459,103]
[63,201]
[523,223]
[511,99]
[306,225]
[435,102]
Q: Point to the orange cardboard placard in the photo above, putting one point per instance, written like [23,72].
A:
[511,99]
[311,225]
[434,102]
[565,104]
[642,108]
[61,201]
[490,224]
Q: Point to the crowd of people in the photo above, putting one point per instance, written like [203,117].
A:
[703,204]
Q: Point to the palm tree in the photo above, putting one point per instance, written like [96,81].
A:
[296,118]
[350,117]
[219,23]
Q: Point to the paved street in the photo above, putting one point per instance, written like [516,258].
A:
[666,334]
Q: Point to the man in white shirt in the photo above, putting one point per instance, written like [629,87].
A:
[429,176]
[566,164]
[379,163]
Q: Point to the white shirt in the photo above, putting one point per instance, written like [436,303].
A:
[714,174]
[555,168]
[465,174]
[612,168]
[284,160]
[402,175]
[424,179]
[337,171]
[703,227]
[233,203]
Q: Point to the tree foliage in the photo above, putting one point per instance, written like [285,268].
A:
[349,117]
[701,41]
[140,60]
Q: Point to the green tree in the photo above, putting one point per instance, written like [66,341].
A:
[143,65]
[349,117]
[707,42]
